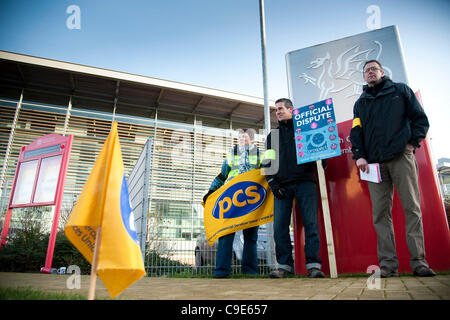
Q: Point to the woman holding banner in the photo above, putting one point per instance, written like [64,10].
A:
[243,157]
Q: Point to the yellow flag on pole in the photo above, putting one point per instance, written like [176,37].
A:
[244,202]
[104,202]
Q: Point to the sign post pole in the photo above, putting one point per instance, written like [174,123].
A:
[59,196]
[6,227]
[327,220]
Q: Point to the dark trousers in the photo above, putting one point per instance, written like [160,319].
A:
[306,196]
[249,254]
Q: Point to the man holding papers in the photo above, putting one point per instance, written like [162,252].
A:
[372,173]
[389,123]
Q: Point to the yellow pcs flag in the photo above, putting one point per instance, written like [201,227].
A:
[245,201]
[104,202]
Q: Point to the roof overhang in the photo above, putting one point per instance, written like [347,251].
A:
[53,82]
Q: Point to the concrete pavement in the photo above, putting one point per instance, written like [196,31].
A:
[153,288]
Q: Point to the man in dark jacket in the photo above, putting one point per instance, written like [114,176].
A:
[388,124]
[292,180]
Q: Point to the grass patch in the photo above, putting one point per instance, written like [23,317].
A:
[33,294]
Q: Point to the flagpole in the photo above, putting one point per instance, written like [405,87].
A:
[94,266]
[264,67]
[98,238]
[262,25]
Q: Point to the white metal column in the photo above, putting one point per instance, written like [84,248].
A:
[152,163]
[10,140]
[66,121]
[194,149]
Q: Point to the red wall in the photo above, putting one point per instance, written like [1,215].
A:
[351,217]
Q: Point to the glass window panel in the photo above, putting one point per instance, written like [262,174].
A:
[48,179]
[25,182]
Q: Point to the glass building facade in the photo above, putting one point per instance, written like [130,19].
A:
[186,156]
[191,128]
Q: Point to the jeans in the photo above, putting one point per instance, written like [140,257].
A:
[249,255]
[305,193]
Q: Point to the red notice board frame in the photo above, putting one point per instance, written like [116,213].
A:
[45,147]
[41,149]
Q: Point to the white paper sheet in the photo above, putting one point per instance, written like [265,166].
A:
[374,174]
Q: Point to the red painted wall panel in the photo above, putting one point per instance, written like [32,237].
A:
[351,216]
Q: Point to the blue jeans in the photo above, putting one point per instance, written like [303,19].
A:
[305,193]
[249,255]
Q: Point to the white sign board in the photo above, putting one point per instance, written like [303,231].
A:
[334,69]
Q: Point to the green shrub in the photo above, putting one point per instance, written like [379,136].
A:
[26,251]
[159,265]
[66,254]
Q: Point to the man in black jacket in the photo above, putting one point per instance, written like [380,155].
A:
[388,124]
[292,180]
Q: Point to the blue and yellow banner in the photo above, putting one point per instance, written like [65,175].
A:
[316,133]
[104,202]
[244,202]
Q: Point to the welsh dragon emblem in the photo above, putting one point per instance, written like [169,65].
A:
[336,75]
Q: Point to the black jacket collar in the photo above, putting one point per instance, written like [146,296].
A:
[385,86]
[286,123]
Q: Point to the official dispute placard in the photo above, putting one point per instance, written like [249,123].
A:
[316,135]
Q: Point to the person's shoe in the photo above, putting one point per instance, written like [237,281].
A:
[280,273]
[315,273]
[423,271]
[221,276]
[387,273]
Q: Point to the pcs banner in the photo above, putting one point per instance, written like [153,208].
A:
[244,202]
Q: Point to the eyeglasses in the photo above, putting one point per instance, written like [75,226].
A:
[371,69]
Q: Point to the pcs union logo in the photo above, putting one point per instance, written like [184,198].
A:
[239,200]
